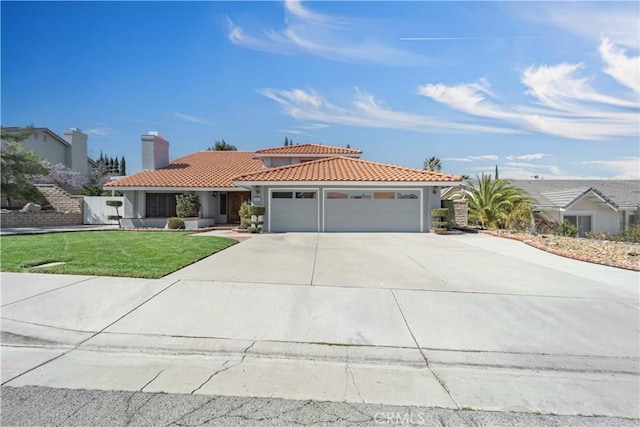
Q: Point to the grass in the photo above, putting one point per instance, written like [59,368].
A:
[108,253]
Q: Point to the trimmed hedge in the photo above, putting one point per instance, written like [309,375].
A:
[175,224]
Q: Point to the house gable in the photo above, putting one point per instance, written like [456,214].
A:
[294,154]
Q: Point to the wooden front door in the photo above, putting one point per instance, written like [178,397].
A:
[234,200]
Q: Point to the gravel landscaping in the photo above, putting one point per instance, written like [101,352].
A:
[616,254]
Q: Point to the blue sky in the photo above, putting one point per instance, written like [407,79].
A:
[538,88]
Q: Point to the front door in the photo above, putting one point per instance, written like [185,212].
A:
[234,200]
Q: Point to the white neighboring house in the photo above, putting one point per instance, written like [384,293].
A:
[609,206]
[71,150]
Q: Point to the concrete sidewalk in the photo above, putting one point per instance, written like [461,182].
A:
[404,319]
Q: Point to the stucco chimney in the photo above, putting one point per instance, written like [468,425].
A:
[155,151]
[77,155]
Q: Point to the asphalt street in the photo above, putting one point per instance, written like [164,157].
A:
[42,406]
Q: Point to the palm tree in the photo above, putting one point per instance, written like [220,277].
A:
[433,164]
[495,203]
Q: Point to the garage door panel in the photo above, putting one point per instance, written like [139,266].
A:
[294,215]
[372,215]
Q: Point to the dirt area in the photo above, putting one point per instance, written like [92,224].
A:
[616,254]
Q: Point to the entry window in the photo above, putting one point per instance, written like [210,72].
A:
[161,205]
[223,203]
[583,222]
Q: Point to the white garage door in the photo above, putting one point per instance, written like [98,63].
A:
[292,210]
[376,210]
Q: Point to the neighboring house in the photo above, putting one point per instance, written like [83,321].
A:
[70,151]
[608,206]
[308,187]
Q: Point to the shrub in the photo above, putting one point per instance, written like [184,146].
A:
[245,214]
[187,205]
[93,190]
[598,235]
[451,212]
[632,235]
[565,228]
[256,210]
[175,224]
[115,204]
[442,225]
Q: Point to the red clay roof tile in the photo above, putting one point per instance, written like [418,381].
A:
[204,169]
[346,169]
[308,149]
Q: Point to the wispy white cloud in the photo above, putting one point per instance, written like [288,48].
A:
[364,111]
[617,21]
[624,167]
[619,168]
[534,156]
[563,103]
[311,33]
[101,130]
[188,118]
[472,158]
[624,69]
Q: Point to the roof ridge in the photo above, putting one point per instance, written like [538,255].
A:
[307,144]
[337,158]
[402,167]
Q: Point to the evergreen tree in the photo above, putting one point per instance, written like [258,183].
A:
[116,167]
[286,141]
[123,167]
[348,145]
[222,146]
[496,177]
[17,165]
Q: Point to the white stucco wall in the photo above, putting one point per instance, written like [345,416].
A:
[50,148]
[603,218]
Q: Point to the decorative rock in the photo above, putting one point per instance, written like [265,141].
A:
[31,208]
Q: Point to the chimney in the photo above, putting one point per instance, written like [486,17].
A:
[77,154]
[155,151]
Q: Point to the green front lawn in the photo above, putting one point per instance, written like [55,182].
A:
[108,253]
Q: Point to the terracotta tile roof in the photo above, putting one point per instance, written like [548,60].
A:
[346,169]
[203,169]
[308,149]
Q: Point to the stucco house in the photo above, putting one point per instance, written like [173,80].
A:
[608,206]
[307,187]
[70,151]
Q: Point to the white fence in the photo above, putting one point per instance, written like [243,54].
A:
[96,210]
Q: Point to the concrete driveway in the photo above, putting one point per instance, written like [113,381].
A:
[468,321]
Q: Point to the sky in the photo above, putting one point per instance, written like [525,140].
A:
[538,88]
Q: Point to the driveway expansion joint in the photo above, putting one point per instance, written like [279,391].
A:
[426,361]
[48,291]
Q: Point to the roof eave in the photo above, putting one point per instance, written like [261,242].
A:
[354,183]
[147,188]
[318,155]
